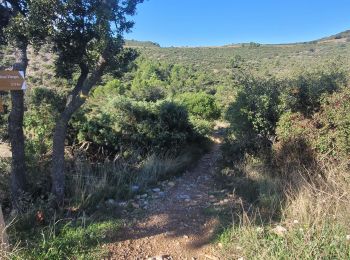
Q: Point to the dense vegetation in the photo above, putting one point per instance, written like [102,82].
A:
[287,154]
[286,151]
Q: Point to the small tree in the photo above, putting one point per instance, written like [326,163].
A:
[87,36]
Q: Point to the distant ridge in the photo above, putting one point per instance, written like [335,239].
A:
[135,43]
[336,38]
[339,37]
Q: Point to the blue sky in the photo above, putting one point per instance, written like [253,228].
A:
[219,22]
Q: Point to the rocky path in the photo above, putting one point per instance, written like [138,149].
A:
[175,225]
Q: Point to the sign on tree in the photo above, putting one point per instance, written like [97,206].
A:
[12,80]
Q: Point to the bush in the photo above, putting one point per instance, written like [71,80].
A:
[123,124]
[252,117]
[264,104]
[112,88]
[328,131]
[201,126]
[200,104]
[304,93]
[255,110]
[38,128]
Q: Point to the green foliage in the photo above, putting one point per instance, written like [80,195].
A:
[263,104]
[148,83]
[38,127]
[287,129]
[123,124]
[153,81]
[43,96]
[303,94]
[328,131]
[87,33]
[201,126]
[334,120]
[253,117]
[200,104]
[112,88]
[39,121]
[25,22]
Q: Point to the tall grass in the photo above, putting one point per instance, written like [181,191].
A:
[314,214]
[89,184]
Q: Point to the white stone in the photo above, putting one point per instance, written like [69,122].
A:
[110,202]
[183,197]
[279,231]
[135,188]
[135,205]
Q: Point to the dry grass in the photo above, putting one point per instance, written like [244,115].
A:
[315,215]
[323,200]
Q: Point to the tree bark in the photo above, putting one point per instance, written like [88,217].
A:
[18,170]
[75,100]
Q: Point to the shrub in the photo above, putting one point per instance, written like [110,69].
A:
[303,93]
[327,131]
[112,88]
[201,126]
[200,104]
[123,124]
[255,110]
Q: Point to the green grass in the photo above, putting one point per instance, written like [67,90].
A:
[67,240]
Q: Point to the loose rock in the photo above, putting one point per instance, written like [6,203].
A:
[135,188]
[135,205]
[110,202]
[279,231]
[183,197]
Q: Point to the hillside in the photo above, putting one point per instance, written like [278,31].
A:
[339,37]
[275,58]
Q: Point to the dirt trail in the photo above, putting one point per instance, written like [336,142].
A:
[176,226]
[5,151]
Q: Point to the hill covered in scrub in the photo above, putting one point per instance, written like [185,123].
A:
[339,37]
[277,59]
[267,124]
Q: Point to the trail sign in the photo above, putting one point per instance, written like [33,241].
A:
[12,80]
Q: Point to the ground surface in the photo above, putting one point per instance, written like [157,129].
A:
[5,151]
[175,226]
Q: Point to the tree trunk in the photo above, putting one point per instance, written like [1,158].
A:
[15,129]
[57,172]
[75,100]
